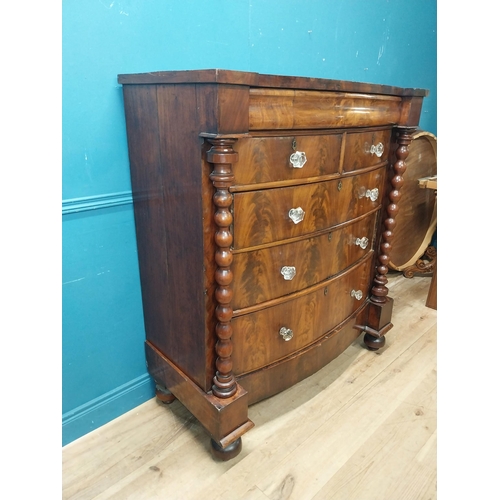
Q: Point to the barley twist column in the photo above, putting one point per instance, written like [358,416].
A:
[379,290]
[222,156]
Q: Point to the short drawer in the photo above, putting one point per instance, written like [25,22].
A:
[365,149]
[270,215]
[270,334]
[272,272]
[272,159]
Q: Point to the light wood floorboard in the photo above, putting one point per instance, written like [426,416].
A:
[362,428]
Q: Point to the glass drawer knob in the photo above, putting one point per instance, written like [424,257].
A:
[372,194]
[296,214]
[362,242]
[288,272]
[298,159]
[286,333]
[377,150]
[357,294]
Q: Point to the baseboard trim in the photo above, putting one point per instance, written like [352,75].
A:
[99,411]
[88,203]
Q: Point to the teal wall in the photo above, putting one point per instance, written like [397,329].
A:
[379,41]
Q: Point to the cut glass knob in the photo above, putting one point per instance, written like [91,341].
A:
[286,333]
[288,272]
[296,214]
[372,194]
[362,242]
[378,149]
[357,294]
[373,149]
[298,159]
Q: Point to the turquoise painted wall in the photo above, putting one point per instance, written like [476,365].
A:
[380,41]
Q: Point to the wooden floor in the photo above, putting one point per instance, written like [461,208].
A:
[362,428]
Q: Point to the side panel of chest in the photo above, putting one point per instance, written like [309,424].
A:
[167,187]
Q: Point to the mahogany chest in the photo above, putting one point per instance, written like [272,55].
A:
[264,209]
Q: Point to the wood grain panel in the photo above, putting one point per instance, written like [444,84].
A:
[267,159]
[263,216]
[357,149]
[303,109]
[166,191]
[258,273]
[182,181]
[256,338]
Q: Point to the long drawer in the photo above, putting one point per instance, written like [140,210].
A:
[275,271]
[271,333]
[269,215]
[302,109]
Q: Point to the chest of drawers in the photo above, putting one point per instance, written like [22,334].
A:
[264,209]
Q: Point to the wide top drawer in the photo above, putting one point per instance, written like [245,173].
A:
[272,109]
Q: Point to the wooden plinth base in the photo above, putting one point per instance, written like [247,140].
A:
[226,420]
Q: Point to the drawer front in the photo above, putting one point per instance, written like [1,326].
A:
[272,272]
[266,215]
[272,159]
[273,109]
[366,149]
[257,341]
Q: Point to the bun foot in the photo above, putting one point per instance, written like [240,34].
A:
[227,453]
[373,343]
[164,395]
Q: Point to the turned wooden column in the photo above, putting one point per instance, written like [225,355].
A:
[222,156]
[379,289]
[380,310]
